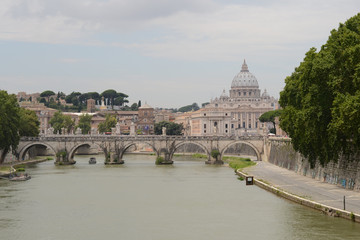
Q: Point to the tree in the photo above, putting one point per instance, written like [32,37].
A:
[85,123]
[134,107]
[47,94]
[73,97]
[60,95]
[68,124]
[109,123]
[59,121]
[94,95]
[29,123]
[204,104]
[115,98]
[119,101]
[171,128]
[321,98]
[270,117]
[188,108]
[110,94]
[139,103]
[9,123]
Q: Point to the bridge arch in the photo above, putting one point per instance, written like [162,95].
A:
[24,149]
[195,143]
[76,147]
[258,155]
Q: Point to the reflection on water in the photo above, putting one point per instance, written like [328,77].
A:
[139,200]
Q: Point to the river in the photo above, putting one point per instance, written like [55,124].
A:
[139,200]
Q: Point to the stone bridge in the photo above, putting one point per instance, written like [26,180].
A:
[64,147]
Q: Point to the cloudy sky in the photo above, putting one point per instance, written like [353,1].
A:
[166,53]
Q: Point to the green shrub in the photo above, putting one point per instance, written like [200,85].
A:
[352,216]
[20,166]
[61,153]
[159,160]
[49,158]
[20,169]
[215,153]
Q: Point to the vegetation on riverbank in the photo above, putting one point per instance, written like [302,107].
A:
[238,163]
[234,162]
[4,169]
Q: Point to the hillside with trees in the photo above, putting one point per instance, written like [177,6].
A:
[77,101]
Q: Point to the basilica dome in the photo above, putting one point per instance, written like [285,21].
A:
[245,78]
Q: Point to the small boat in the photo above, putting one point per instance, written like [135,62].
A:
[21,177]
[92,160]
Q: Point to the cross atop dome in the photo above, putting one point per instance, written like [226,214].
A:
[244,67]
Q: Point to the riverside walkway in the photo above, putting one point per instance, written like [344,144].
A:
[305,187]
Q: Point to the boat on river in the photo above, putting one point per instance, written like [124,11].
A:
[92,160]
[21,177]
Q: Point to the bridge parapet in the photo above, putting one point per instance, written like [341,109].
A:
[135,138]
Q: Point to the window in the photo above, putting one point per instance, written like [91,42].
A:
[232,125]
[249,125]
[249,93]
[204,131]
[243,124]
[215,124]
[204,125]
[225,114]
[226,126]
[226,131]
[204,114]
[244,93]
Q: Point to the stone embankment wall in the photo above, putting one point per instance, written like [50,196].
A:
[343,173]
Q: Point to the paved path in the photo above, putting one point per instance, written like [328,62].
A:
[306,187]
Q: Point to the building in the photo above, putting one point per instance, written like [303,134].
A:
[90,105]
[23,96]
[234,114]
[43,113]
[146,120]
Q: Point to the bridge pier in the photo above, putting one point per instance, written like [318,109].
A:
[215,161]
[63,158]
[114,159]
[163,157]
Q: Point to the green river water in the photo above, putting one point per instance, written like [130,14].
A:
[139,200]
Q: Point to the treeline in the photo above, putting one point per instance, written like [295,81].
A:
[77,101]
[321,98]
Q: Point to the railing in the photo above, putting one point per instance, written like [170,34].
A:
[99,137]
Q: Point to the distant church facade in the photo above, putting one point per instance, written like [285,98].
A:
[236,113]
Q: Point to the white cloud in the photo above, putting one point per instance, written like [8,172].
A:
[189,29]
[272,35]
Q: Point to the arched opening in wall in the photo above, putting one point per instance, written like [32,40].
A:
[82,153]
[190,151]
[35,151]
[87,149]
[241,150]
